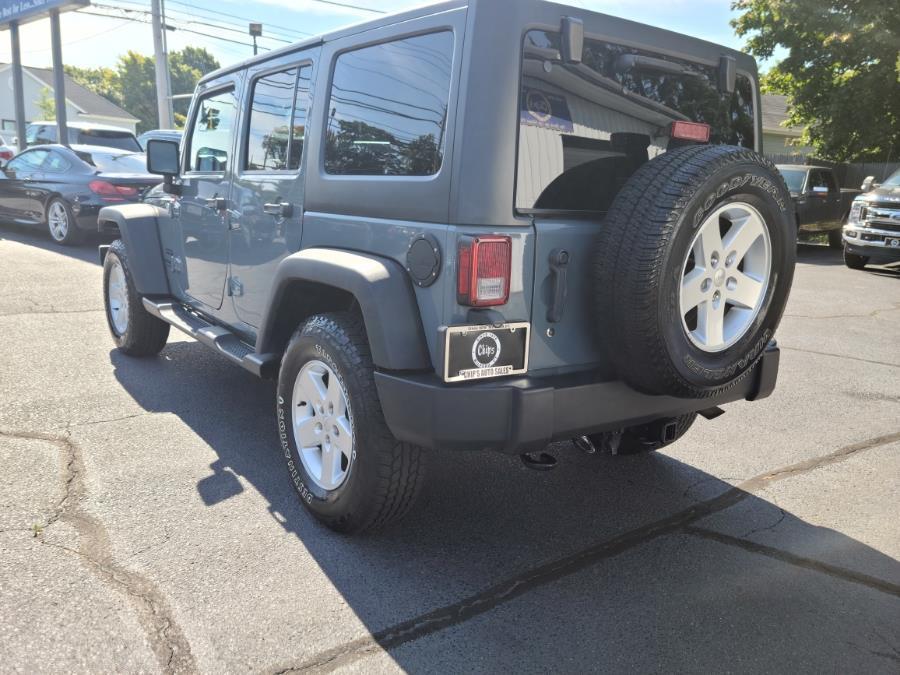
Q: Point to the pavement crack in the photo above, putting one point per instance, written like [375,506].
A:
[835,571]
[766,528]
[840,356]
[165,637]
[536,577]
[867,315]
[89,423]
[44,312]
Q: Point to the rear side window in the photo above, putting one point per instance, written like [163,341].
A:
[388,108]
[211,134]
[278,121]
[56,163]
[121,140]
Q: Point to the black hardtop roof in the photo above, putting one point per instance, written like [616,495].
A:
[436,8]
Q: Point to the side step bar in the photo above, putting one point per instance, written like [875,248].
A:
[220,339]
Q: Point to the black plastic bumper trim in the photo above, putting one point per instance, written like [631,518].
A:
[516,415]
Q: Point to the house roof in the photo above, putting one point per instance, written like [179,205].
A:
[775,111]
[82,98]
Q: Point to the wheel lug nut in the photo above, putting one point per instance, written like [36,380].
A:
[729,261]
[706,285]
[334,430]
[714,260]
[731,284]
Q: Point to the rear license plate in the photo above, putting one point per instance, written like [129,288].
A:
[478,352]
[893,243]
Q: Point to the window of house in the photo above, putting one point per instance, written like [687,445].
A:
[388,108]
[211,133]
[278,121]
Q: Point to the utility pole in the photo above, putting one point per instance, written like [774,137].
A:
[163,90]
[59,78]
[18,86]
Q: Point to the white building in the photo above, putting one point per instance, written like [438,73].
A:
[83,105]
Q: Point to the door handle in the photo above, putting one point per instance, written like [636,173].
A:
[559,262]
[217,203]
[279,209]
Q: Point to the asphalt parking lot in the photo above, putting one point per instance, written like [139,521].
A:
[147,524]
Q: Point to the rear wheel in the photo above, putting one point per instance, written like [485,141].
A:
[348,469]
[61,223]
[854,261]
[693,269]
[136,332]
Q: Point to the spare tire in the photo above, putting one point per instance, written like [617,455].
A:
[693,268]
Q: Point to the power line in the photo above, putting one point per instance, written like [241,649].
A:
[185,30]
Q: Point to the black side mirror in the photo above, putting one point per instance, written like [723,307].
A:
[163,159]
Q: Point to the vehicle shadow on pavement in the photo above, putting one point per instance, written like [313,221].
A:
[86,251]
[641,563]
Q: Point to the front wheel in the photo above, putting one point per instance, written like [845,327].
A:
[61,223]
[136,332]
[348,469]
[853,261]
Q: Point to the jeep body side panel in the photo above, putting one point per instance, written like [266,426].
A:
[139,230]
[380,286]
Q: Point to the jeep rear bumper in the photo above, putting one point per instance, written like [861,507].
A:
[527,413]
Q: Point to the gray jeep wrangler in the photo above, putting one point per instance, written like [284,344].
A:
[483,224]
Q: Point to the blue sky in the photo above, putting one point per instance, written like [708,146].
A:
[98,41]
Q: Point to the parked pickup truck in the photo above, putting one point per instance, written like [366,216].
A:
[872,232]
[483,224]
[820,204]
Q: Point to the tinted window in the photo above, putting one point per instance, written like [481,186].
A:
[56,163]
[28,161]
[585,128]
[40,134]
[123,140]
[116,163]
[210,144]
[388,108]
[821,179]
[278,121]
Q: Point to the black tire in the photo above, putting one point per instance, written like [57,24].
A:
[643,438]
[642,246]
[72,235]
[835,239]
[384,476]
[854,261]
[145,334]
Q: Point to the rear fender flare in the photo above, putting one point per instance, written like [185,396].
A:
[139,230]
[381,289]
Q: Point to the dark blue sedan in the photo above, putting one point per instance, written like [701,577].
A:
[63,188]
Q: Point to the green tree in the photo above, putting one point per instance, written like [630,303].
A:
[46,104]
[842,71]
[132,83]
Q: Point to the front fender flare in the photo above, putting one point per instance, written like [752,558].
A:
[139,230]
[381,288]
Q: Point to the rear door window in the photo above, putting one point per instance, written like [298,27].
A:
[585,128]
[277,128]
[210,143]
[388,108]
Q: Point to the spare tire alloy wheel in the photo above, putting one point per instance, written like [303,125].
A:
[693,268]
[726,277]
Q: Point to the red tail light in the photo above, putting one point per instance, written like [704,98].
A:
[484,271]
[111,192]
[6,155]
[691,131]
